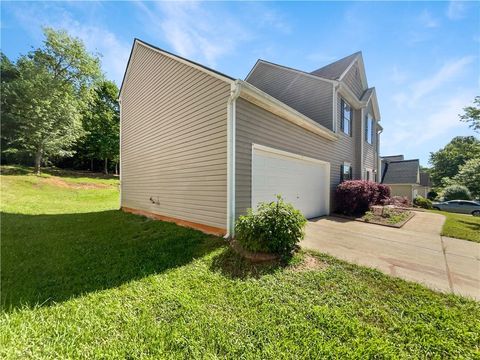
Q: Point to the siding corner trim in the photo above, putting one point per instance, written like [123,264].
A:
[231,140]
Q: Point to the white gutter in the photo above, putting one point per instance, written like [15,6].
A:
[120,151]
[231,125]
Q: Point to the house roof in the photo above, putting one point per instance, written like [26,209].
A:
[401,172]
[393,158]
[335,70]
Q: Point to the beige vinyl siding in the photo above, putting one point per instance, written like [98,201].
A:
[304,93]
[369,150]
[256,125]
[174,139]
[401,190]
[350,144]
[353,80]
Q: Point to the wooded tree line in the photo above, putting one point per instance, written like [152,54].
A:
[458,163]
[58,108]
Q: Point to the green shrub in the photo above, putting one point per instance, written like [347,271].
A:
[420,201]
[275,227]
[432,195]
[456,192]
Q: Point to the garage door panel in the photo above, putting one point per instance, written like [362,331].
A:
[301,181]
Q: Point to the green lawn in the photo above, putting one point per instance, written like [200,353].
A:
[461,226]
[81,279]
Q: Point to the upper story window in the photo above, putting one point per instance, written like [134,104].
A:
[369,129]
[346,118]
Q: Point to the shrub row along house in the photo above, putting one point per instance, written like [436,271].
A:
[199,147]
[404,177]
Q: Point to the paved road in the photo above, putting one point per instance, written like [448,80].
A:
[416,252]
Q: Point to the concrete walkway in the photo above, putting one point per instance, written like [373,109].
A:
[416,252]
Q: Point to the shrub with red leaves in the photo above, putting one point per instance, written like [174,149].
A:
[355,197]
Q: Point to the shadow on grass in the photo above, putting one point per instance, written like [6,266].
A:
[51,258]
[471,224]
[25,170]
[234,266]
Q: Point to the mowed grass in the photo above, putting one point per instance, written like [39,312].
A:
[461,226]
[81,279]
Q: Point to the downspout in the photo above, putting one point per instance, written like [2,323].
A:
[120,151]
[362,140]
[334,107]
[231,125]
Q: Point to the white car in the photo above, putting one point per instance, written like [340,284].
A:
[459,206]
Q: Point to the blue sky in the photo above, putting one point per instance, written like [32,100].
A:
[423,57]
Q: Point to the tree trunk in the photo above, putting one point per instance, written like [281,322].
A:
[116,168]
[38,161]
[105,170]
[91,164]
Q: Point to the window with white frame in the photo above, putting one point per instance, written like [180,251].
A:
[346,118]
[369,129]
[345,172]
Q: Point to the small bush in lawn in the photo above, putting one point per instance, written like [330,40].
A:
[357,196]
[432,195]
[456,192]
[420,201]
[275,227]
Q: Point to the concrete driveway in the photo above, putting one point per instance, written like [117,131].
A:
[416,252]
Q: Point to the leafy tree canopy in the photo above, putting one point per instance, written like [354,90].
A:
[47,97]
[469,176]
[472,115]
[446,162]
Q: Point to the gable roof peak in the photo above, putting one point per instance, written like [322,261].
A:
[337,68]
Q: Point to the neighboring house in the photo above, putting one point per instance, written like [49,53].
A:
[199,147]
[405,177]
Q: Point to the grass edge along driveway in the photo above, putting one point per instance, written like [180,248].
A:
[460,226]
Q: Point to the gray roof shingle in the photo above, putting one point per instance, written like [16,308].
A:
[334,70]
[401,172]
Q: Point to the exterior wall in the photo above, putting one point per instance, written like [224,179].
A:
[309,96]
[351,144]
[369,150]
[256,125]
[422,190]
[174,140]
[353,80]
[401,190]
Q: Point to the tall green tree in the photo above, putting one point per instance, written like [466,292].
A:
[8,73]
[446,162]
[101,122]
[48,96]
[469,176]
[471,115]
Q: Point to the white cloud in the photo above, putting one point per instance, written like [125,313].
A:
[415,129]
[456,10]
[427,20]
[398,76]
[97,39]
[193,31]
[421,88]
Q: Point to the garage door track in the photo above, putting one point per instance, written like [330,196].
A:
[416,252]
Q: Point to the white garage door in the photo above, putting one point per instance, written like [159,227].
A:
[302,181]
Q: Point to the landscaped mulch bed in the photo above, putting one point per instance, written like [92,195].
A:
[382,220]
